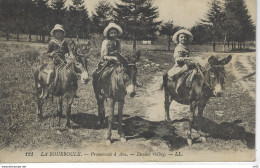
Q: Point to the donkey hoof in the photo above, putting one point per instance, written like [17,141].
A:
[108,142]
[122,139]
[58,132]
[203,139]
[189,142]
[167,119]
[39,117]
[68,126]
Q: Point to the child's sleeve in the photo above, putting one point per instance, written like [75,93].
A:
[50,49]
[104,49]
[179,56]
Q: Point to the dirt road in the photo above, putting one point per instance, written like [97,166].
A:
[229,121]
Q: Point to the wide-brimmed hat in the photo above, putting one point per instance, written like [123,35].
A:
[57,27]
[182,31]
[113,26]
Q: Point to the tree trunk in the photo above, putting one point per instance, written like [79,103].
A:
[169,43]
[228,44]
[7,36]
[134,45]
[224,43]
[43,38]
[77,36]
[214,46]
[232,45]
[17,37]
[30,36]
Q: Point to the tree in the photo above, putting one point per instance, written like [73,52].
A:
[168,29]
[238,23]
[58,11]
[201,33]
[138,19]
[102,16]
[43,18]
[29,20]
[11,17]
[77,20]
[214,18]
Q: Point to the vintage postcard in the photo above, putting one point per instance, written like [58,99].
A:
[127,81]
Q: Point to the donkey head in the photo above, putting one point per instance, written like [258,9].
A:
[132,72]
[80,61]
[216,74]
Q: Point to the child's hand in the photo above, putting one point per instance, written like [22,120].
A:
[52,54]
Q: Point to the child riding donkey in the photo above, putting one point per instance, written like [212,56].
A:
[183,62]
[57,49]
[110,50]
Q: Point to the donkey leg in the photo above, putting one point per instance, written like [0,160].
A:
[191,119]
[110,120]
[39,108]
[200,115]
[39,102]
[120,116]
[101,111]
[167,103]
[59,111]
[68,110]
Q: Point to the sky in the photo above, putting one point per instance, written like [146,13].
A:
[183,12]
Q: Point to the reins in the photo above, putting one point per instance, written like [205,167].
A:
[63,63]
[205,80]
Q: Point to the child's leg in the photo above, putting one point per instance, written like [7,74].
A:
[176,71]
[181,71]
[190,77]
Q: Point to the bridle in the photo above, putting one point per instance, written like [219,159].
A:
[65,64]
[209,82]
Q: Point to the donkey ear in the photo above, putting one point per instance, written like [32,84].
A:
[212,60]
[225,60]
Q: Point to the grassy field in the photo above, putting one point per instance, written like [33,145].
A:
[229,121]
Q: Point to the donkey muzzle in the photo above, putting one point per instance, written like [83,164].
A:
[218,91]
[84,77]
[131,90]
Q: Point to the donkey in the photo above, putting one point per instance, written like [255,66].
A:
[208,82]
[113,84]
[66,87]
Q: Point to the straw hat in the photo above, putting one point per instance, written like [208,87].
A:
[182,31]
[57,27]
[115,26]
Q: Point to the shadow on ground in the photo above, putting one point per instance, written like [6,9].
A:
[90,121]
[137,127]
[227,131]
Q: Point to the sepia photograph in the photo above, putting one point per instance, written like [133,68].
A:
[85,81]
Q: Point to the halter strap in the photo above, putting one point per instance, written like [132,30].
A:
[205,80]
[63,63]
